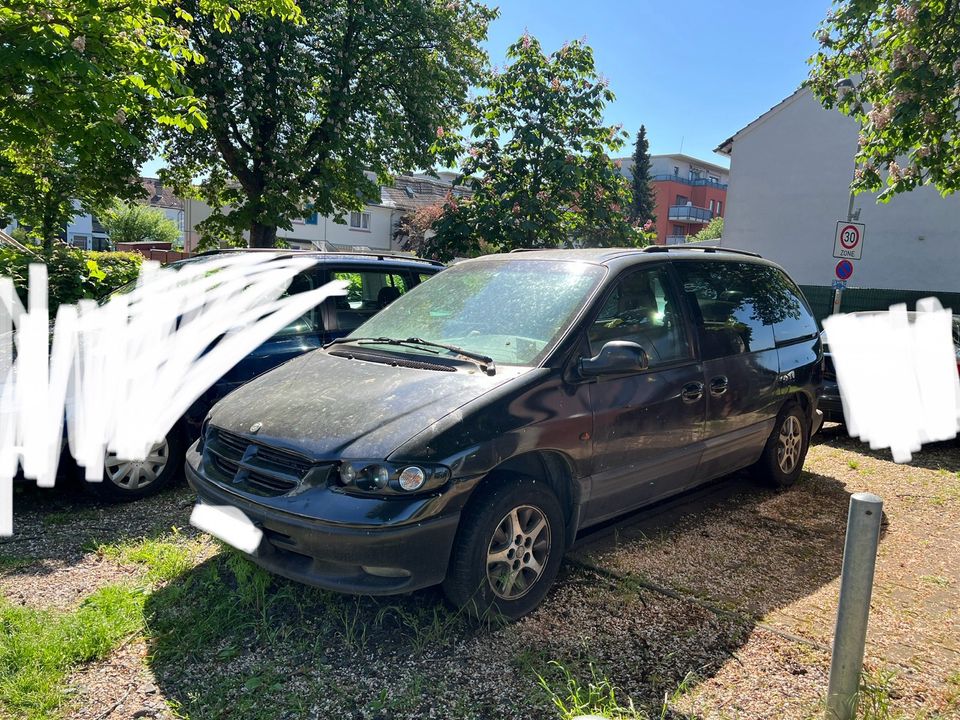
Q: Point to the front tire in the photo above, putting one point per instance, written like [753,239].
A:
[125,481]
[508,549]
[786,449]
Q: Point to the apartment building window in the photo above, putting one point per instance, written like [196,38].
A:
[678,231]
[711,206]
[676,170]
[682,199]
[719,208]
[360,221]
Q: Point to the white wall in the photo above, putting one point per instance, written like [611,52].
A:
[789,179]
[377,237]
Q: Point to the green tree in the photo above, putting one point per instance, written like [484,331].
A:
[894,66]
[133,222]
[39,184]
[537,160]
[643,205]
[83,84]
[311,116]
[711,231]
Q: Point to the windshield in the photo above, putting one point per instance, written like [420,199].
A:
[509,309]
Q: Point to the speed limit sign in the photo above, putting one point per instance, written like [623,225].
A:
[848,242]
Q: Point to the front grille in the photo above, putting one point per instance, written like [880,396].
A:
[256,468]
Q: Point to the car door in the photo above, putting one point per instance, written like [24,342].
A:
[734,312]
[647,425]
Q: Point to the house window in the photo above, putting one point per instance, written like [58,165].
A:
[360,221]
[676,170]
[711,206]
[719,208]
[682,200]
[678,230]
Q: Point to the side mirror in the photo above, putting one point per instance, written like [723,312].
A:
[615,358]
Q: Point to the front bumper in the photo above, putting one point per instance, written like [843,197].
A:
[374,558]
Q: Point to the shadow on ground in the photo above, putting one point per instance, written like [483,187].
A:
[226,638]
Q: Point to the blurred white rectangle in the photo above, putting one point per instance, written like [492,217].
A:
[897,374]
[227,523]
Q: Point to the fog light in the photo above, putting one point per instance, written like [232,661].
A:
[412,478]
[348,473]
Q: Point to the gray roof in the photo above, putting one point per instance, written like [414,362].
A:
[410,192]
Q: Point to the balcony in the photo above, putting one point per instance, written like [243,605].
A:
[676,240]
[698,182]
[690,213]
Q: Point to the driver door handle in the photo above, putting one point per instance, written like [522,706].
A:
[718,385]
[691,392]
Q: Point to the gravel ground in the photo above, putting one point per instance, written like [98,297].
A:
[729,592]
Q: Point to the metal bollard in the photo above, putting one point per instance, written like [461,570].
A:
[856,585]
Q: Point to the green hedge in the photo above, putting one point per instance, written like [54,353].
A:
[73,274]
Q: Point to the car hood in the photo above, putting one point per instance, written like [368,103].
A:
[331,407]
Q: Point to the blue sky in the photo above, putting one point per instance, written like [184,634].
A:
[692,72]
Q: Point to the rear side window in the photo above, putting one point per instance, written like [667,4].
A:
[794,320]
[736,305]
[369,292]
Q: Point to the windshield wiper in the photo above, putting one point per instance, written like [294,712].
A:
[485,362]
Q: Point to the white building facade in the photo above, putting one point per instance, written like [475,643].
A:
[789,186]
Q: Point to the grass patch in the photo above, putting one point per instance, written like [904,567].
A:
[163,559]
[66,517]
[14,562]
[38,648]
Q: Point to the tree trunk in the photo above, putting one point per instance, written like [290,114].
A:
[263,236]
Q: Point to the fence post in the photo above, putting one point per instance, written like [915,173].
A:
[856,586]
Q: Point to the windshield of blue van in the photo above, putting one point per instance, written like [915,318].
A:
[509,309]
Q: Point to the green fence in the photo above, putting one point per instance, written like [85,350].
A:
[858,299]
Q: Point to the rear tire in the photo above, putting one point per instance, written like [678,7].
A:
[786,449]
[508,549]
[125,481]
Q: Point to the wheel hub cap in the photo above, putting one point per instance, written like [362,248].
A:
[789,444]
[136,474]
[518,552]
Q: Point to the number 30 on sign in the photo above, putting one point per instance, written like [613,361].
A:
[848,242]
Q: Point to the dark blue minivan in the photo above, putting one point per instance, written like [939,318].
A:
[376,279]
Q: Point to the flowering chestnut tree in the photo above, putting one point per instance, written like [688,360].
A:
[309,117]
[537,160]
[894,66]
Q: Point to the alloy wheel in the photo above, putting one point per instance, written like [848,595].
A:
[789,444]
[518,552]
[137,474]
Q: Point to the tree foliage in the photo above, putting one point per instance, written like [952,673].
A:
[537,160]
[310,116]
[902,58]
[644,203]
[134,222]
[711,231]
[83,84]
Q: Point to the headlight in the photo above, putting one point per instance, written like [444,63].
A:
[379,476]
[412,478]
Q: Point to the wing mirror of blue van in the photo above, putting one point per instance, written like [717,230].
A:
[615,358]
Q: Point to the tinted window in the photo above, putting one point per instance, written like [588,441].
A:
[641,309]
[795,321]
[737,303]
[369,292]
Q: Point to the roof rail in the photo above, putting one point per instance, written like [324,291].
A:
[684,248]
[370,253]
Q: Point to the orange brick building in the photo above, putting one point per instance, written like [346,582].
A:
[688,192]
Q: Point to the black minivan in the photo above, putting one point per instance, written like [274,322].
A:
[466,433]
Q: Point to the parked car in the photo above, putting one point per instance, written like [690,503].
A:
[829,400]
[376,279]
[465,434]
